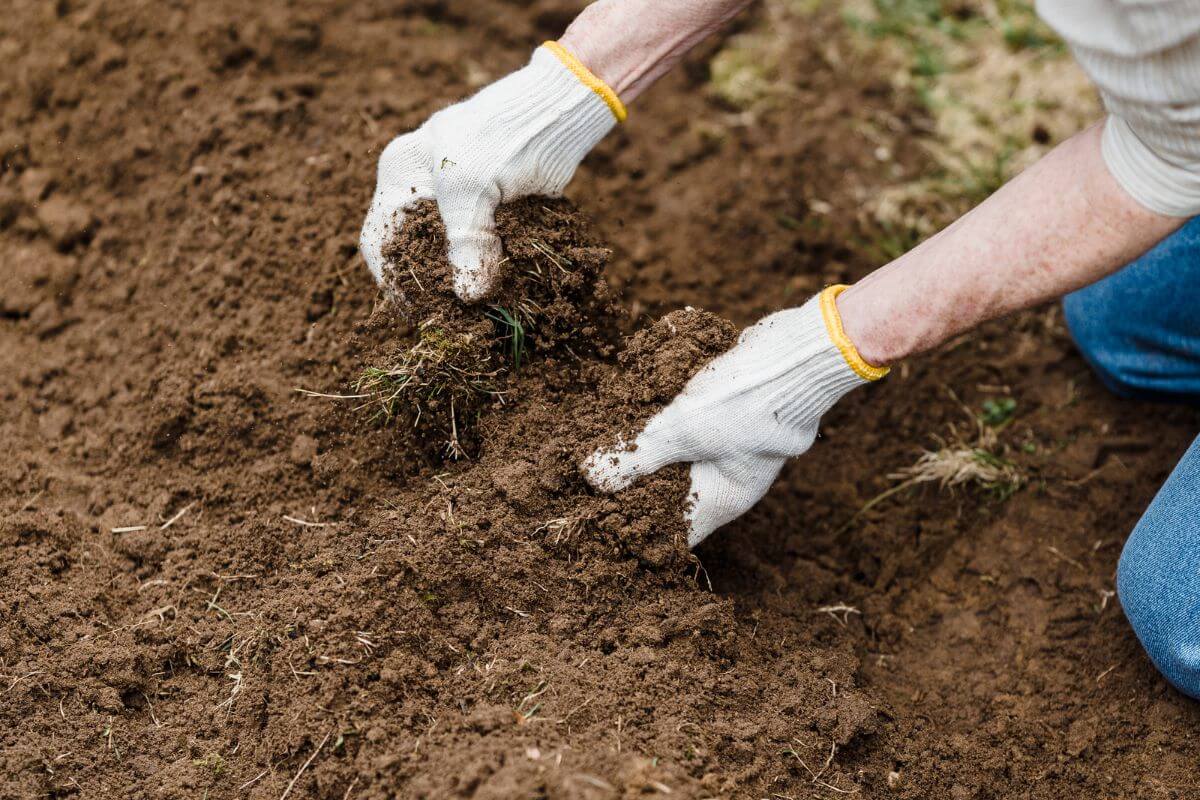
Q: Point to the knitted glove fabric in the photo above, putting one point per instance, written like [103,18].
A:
[523,135]
[745,413]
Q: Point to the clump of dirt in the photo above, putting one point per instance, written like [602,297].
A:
[452,360]
[563,397]
[551,276]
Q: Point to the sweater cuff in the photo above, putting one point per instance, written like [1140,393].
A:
[1161,186]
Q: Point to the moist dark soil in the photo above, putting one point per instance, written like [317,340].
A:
[215,585]
[550,304]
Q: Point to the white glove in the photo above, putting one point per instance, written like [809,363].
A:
[523,135]
[745,413]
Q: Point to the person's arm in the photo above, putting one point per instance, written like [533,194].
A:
[629,44]
[1061,224]
[527,133]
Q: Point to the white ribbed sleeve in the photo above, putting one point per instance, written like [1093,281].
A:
[1144,57]
[1172,189]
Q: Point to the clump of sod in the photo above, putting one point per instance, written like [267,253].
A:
[551,304]
[435,385]
[439,384]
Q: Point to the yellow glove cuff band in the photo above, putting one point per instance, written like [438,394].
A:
[833,324]
[588,79]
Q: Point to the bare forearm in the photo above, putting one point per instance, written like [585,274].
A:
[1060,225]
[630,44]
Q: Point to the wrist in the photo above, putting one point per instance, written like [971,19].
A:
[608,66]
[630,68]
[631,44]
[877,342]
[804,354]
[844,323]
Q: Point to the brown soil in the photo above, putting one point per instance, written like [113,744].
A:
[294,592]
[551,305]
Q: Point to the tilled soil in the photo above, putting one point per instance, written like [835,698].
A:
[215,585]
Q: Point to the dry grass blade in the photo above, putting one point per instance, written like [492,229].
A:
[561,529]
[957,462]
[303,767]
[558,260]
[957,465]
[435,379]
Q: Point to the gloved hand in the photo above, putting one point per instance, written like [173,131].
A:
[524,134]
[745,413]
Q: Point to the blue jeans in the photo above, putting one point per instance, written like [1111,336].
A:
[1140,330]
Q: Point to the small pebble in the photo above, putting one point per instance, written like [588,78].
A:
[304,448]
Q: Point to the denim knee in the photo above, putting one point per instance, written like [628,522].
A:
[1158,578]
[1137,327]
[1096,326]
[1164,633]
